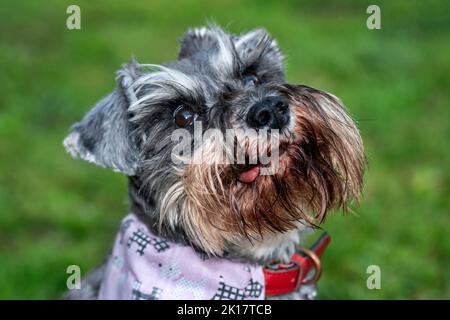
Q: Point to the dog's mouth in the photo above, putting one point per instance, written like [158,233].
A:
[249,174]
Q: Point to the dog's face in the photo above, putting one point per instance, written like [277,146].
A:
[221,82]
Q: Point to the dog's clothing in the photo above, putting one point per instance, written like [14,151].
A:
[143,266]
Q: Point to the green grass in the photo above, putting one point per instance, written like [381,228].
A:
[55,211]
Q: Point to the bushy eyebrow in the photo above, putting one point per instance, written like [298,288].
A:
[162,86]
[165,76]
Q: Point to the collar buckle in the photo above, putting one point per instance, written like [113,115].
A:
[286,278]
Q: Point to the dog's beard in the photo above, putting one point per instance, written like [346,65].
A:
[320,168]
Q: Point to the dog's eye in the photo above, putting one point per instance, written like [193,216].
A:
[250,79]
[184,116]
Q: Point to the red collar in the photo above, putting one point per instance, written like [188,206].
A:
[286,278]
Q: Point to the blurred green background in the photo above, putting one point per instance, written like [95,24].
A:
[55,211]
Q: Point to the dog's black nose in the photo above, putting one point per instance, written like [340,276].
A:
[272,112]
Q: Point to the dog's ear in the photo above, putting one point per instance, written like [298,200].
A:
[103,136]
[196,40]
[250,43]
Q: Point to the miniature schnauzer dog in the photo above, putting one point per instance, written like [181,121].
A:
[226,214]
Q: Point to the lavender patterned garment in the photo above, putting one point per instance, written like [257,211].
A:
[143,266]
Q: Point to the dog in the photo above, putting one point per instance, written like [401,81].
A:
[204,229]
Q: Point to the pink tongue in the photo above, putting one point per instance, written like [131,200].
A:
[250,175]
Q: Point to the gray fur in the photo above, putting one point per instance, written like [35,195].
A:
[130,129]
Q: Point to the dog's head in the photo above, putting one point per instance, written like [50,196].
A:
[220,82]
